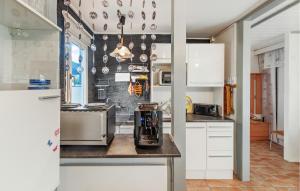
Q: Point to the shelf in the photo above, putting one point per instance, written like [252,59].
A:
[18,14]
[139,72]
[158,86]
[161,63]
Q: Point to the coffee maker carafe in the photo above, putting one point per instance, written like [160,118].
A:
[148,126]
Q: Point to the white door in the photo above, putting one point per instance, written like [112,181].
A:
[205,65]
[195,150]
[29,125]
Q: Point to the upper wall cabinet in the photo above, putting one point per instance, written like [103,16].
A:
[163,52]
[205,66]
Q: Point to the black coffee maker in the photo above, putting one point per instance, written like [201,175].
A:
[148,131]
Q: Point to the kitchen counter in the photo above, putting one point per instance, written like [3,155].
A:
[189,118]
[82,108]
[122,146]
[203,118]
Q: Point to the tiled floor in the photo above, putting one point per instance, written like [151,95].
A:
[269,172]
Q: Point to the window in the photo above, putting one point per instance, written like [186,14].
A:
[78,74]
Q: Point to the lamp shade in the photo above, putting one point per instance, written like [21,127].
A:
[122,53]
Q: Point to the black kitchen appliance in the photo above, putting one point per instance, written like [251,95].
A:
[148,130]
[165,78]
[207,109]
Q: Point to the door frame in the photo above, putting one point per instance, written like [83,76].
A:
[259,15]
[84,47]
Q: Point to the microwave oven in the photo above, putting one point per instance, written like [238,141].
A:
[165,78]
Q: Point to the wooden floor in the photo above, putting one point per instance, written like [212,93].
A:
[269,172]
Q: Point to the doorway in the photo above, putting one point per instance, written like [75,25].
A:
[266,96]
[79,77]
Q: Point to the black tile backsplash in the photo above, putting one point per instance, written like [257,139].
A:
[117,92]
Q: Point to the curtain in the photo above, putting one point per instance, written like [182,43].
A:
[76,30]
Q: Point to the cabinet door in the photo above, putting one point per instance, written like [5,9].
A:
[114,178]
[205,65]
[195,149]
[167,128]
[30,122]
[163,52]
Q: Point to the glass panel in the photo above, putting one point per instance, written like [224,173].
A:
[77,74]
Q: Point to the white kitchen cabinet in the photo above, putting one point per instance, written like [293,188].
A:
[30,119]
[195,150]
[163,52]
[220,150]
[209,150]
[219,141]
[114,178]
[30,122]
[205,66]
[167,128]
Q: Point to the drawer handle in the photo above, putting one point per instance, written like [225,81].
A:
[44,98]
[220,156]
[224,136]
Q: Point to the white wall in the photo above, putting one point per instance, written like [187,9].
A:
[291,98]
[23,58]
[5,55]
[280,106]
[254,64]
[198,95]
[229,38]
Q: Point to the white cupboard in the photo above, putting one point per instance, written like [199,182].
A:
[205,66]
[209,150]
[115,175]
[205,63]
[163,52]
[30,119]
[195,150]
[30,122]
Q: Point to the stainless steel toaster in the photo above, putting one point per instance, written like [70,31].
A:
[87,127]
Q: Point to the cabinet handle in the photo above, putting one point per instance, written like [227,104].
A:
[219,156]
[224,136]
[44,98]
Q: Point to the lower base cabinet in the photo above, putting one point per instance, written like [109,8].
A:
[113,178]
[209,150]
[195,150]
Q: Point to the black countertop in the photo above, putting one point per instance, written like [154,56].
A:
[203,118]
[83,108]
[189,118]
[122,146]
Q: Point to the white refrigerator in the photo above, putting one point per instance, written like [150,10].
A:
[29,140]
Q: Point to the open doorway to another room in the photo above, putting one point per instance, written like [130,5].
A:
[273,58]
[267,101]
[78,68]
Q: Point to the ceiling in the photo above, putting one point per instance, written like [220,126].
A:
[204,17]
[208,17]
[271,31]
